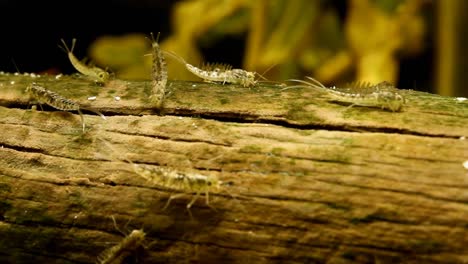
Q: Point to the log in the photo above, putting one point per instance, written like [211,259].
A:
[308,180]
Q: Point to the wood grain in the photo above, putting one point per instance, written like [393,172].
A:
[311,181]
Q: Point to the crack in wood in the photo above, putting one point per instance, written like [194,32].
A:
[168,138]
[421,194]
[235,117]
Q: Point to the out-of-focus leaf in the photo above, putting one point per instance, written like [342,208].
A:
[388,6]
[235,24]
[293,36]
[324,42]
[119,51]
[376,67]
[289,31]
[375,36]
[369,29]
[413,26]
[196,17]
[335,67]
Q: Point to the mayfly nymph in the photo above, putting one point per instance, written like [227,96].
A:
[96,73]
[383,95]
[123,249]
[44,96]
[158,73]
[172,179]
[218,72]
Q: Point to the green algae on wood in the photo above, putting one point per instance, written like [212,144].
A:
[382,182]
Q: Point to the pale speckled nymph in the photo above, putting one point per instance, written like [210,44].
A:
[221,73]
[172,179]
[51,98]
[44,96]
[97,74]
[158,74]
[381,95]
[117,253]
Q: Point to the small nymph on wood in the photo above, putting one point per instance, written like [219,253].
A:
[158,73]
[182,181]
[53,99]
[174,180]
[381,95]
[97,74]
[219,72]
[119,252]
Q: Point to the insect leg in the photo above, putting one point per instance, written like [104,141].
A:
[96,112]
[116,227]
[350,106]
[207,200]
[189,205]
[172,197]
[347,108]
[82,119]
[193,200]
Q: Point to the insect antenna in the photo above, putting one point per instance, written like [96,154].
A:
[65,48]
[152,40]
[157,37]
[262,76]
[116,227]
[16,66]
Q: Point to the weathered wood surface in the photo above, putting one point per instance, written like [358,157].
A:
[313,182]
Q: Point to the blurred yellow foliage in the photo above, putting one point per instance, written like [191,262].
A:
[298,37]
[374,37]
[125,55]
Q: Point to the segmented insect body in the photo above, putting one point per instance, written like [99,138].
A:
[174,180]
[98,74]
[179,181]
[217,72]
[57,101]
[117,253]
[51,98]
[242,77]
[383,94]
[158,74]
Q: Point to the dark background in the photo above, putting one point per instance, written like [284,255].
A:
[31,32]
